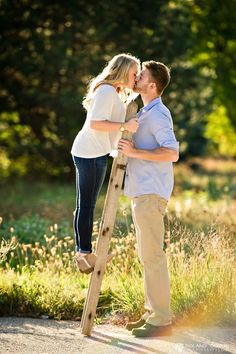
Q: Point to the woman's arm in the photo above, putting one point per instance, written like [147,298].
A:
[108,126]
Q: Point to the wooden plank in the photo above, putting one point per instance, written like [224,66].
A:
[105,231]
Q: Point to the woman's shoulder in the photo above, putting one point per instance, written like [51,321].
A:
[106,88]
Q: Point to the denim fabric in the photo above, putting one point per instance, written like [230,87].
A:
[90,174]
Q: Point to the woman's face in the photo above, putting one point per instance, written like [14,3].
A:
[133,72]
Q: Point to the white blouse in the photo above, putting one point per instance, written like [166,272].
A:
[105,105]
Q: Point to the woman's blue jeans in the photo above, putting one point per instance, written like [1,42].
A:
[90,174]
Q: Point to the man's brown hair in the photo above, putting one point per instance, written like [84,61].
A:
[160,74]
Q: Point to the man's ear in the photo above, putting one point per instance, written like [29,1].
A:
[153,85]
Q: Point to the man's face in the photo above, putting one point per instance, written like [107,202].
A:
[142,82]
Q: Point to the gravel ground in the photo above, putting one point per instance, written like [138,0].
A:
[27,335]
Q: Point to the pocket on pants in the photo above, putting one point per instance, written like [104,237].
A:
[149,203]
[158,204]
[162,204]
[141,204]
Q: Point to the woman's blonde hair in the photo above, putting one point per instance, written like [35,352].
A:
[116,71]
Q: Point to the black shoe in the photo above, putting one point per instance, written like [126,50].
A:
[149,330]
[137,324]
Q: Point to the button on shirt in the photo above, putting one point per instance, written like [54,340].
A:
[155,130]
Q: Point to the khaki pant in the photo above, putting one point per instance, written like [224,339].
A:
[148,212]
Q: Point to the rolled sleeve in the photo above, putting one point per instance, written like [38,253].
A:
[164,133]
[166,138]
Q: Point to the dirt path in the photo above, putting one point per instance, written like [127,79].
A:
[26,335]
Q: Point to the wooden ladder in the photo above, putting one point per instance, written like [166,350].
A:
[105,230]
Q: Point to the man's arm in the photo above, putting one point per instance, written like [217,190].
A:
[161,154]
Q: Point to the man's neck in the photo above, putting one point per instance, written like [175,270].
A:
[148,98]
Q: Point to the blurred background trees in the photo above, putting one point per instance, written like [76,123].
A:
[49,51]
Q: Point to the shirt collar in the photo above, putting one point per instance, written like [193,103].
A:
[149,106]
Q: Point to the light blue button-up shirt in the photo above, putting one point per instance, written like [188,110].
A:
[155,130]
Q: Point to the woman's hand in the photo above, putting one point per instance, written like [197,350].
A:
[131,125]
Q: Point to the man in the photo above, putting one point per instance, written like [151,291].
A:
[149,183]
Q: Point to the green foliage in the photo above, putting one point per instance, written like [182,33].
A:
[202,277]
[32,210]
[31,228]
[35,293]
[214,44]
[38,274]
[12,136]
[50,50]
[220,132]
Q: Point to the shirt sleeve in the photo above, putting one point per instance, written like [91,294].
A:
[102,103]
[164,133]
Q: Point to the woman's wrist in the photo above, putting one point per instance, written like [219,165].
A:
[122,127]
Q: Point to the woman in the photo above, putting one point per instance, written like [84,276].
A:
[105,105]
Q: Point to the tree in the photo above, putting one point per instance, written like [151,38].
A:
[214,34]
[51,49]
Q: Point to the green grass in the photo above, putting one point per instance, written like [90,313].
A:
[205,194]
[42,280]
[38,276]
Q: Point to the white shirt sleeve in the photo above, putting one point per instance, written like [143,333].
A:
[102,103]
